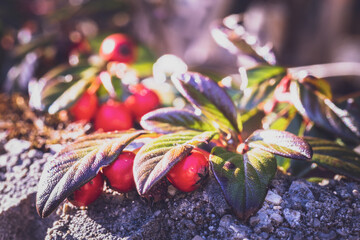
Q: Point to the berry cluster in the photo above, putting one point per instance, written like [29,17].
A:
[114,114]
[187,175]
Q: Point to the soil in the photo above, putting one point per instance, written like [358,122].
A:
[293,209]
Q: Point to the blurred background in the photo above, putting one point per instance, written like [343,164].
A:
[37,35]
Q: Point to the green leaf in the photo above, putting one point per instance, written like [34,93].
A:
[62,86]
[283,163]
[169,120]
[144,62]
[324,113]
[77,164]
[210,98]
[258,93]
[262,73]
[281,143]
[70,95]
[104,95]
[251,122]
[335,157]
[318,85]
[156,158]
[296,125]
[143,69]
[244,179]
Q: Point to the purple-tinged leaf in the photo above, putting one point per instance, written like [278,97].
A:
[169,120]
[244,179]
[314,105]
[77,164]
[210,98]
[155,159]
[337,158]
[281,143]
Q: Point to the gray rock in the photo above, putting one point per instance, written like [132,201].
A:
[202,214]
[283,232]
[264,235]
[355,193]
[292,217]
[254,220]
[18,216]
[197,237]
[16,146]
[300,193]
[238,228]
[33,153]
[264,224]
[172,190]
[273,198]
[328,236]
[276,218]
[225,221]
[316,223]
[3,136]
[20,220]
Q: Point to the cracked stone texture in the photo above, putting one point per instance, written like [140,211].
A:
[293,209]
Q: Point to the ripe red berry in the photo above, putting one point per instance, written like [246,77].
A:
[85,108]
[88,193]
[118,47]
[120,173]
[142,101]
[112,116]
[188,174]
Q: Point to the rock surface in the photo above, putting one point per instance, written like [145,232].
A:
[293,209]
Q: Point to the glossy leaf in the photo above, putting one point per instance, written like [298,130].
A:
[335,157]
[324,113]
[104,94]
[62,86]
[156,158]
[210,98]
[71,94]
[284,118]
[77,164]
[168,120]
[318,85]
[263,73]
[281,143]
[244,179]
[256,94]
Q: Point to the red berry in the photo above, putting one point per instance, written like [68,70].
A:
[188,174]
[88,193]
[142,101]
[118,47]
[120,173]
[112,116]
[85,108]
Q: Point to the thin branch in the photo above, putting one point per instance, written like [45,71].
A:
[327,70]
